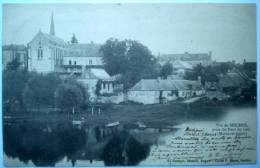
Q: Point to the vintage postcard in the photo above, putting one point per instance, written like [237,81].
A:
[129,84]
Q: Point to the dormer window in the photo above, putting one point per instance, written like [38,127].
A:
[40,53]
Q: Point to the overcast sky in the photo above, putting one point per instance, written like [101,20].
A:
[228,30]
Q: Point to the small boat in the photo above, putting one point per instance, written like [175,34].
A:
[7,117]
[76,122]
[112,124]
[141,125]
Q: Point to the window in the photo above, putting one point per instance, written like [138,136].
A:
[69,62]
[75,63]
[190,86]
[40,53]
[90,62]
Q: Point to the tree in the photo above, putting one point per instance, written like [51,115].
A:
[73,81]
[68,96]
[39,90]
[114,56]
[98,87]
[13,86]
[207,73]
[74,39]
[166,70]
[129,58]
[13,65]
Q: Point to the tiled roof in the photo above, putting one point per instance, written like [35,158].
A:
[187,85]
[251,66]
[14,47]
[84,50]
[99,73]
[153,85]
[157,84]
[234,79]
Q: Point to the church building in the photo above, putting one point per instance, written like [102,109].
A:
[46,51]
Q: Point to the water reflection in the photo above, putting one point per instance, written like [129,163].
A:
[123,149]
[46,144]
[65,144]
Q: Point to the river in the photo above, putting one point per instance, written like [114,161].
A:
[66,144]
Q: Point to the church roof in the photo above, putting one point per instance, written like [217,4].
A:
[49,38]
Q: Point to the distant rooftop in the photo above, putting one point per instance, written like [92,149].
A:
[14,47]
[186,57]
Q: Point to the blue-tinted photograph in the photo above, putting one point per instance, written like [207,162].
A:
[128,84]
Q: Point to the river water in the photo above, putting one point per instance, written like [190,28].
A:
[65,144]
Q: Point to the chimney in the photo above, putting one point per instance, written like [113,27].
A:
[199,79]
[210,53]
[244,60]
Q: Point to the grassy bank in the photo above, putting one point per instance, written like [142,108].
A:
[157,115]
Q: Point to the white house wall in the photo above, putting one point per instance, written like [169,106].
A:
[83,61]
[150,97]
[145,97]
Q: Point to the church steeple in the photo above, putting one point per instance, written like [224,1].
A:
[52,29]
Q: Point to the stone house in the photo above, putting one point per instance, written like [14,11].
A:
[152,91]
[14,52]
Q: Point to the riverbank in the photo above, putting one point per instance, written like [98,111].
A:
[157,115]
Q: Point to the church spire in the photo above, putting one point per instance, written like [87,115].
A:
[52,29]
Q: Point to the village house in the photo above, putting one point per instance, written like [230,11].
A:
[188,88]
[14,52]
[152,91]
[180,67]
[250,68]
[234,83]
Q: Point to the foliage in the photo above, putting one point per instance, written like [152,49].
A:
[68,96]
[13,85]
[129,58]
[13,65]
[73,81]
[98,87]
[74,39]
[207,73]
[166,70]
[40,89]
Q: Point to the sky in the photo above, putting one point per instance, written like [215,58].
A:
[228,30]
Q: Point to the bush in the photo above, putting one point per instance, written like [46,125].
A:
[39,90]
[68,96]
